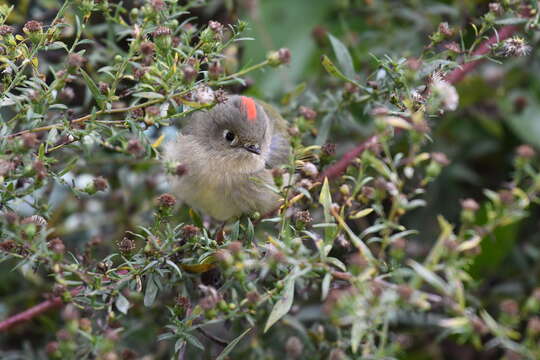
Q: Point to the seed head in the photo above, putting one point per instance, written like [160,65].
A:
[32,26]
[294,347]
[148,48]
[166,200]
[57,245]
[515,46]
[134,147]
[440,158]
[469,204]
[303,217]
[126,245]
[189,73]
[328,149]
[525,151]
[6,29]
[100,183]
[307,112]
[161,31]
[75,60]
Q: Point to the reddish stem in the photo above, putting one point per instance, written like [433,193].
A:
[34,311]
[458,74]
[340,167]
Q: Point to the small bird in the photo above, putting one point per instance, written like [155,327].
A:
[227,155]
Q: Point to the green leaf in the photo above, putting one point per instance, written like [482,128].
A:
[231,345]
[297,91]
[250,233]
[343,56]
[325,287]
[332,69]
[122,304]
[324,128]
[283,305]
[325,199]
[175,267]
[429,276]
[357,333]
[149,95]
[100,99]
[235,231]
[151,291]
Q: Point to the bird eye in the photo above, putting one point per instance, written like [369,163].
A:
[229,136]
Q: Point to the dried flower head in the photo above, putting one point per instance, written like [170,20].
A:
[310,170]
[134,147]
[447,93]
[307,112]
[100,183]
[75,60]
[57,245]
[525,151]
[148,48]
[211,297]
[495,7]
[189,73]
[328,149]
[157,4]
[509,306]
[515,46]
[166,200]
[216,27]
[470,205]
[445,29]
[32,26]
[126,245]
[440,158]
[220,96]
[294,347]
[235,247]
[189,231]
[30,140]
[303,217]
[161,31]
[6,29]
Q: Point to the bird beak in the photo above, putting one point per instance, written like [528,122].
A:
[253,148]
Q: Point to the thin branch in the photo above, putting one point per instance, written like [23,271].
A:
[339,167]
[34,311]
[458,74]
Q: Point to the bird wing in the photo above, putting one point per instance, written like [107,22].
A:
[280,147]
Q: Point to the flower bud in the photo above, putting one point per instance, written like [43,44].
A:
[294,347]
[280,57]
[307,113]
[166,200]
[34,30]
[100,183]
[215,70]
[525,151]
[126,246]
[189,74]
[162,38]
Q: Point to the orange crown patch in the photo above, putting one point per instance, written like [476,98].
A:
[250,108]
